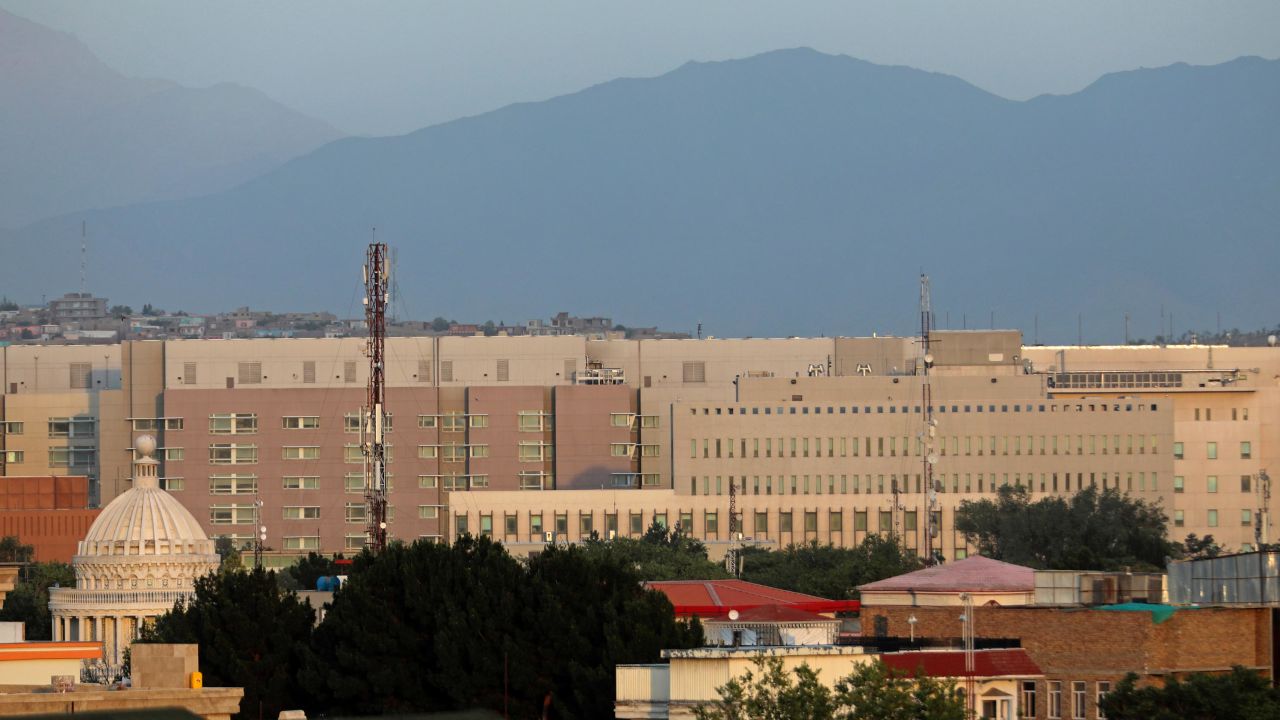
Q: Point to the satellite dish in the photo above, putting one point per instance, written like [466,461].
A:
[1271,340]
[733,614]
[928,358]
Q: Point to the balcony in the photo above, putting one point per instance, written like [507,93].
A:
[71,599]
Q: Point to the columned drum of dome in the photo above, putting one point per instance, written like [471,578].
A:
[142,554]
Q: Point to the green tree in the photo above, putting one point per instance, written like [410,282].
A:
[12,550]
[871,691]
[1200,547]
[489,328]
[430,627]
[7,305]
[230,554]
[251,635]
[874,691]
[1091,530]
[306,571]
[770,693]
[660,554]
[28,602]
[1240,695]
[828,571]
[120,311]
[439,324]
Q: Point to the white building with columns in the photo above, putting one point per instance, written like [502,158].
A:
[143,554]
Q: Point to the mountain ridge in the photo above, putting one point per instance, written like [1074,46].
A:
[77,134]
[753,195]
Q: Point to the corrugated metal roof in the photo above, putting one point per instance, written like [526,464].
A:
[737,594]
[973,574]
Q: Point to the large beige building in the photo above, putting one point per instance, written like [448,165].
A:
[528,438]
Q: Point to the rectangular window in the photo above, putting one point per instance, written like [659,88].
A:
[189,373]
[446,371]
[428,481]
[1104,687]
[355,513]
[1177,451]
[13,428]
[695,371]
[478,421]
[534,452]
[1178,483]
[531,481]
[453,422]
[860,520]
[427,421]
[306,542]
[1055,700]
[453,452]
[353,483]
[230,454]
[1211,483]
[249,373]
[296,452]
[504,370]
[1246,517]
[81,374]
[174,454]
[649,421]
[354,541]
[14,457]
[300,422]
[351,422]
[173,484]
[810,521]
[301,513]
[1179,518]
[1246,450]
[620,420]
[302,482]
[620,449]
[71,427]
[478,451]
[309,371]
[428,512]
[349,371]
[784,522]
[1211,450]
[1077,700]
[762,523]
[531,421]
[886,521]
[455,483]
[233,424]
[427,452]
[233,484]
[1027,699]
[1212,518]
[233,515]
[1246,482]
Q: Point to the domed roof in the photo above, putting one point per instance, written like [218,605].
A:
[145,520]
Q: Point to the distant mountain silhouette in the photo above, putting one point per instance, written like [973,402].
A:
[788,193]
[76,134]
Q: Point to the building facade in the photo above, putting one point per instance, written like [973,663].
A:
[820,438]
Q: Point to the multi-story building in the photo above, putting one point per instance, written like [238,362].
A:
[520,437]
[78,307]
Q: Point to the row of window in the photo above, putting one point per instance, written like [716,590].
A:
[1211,517]
[916,409]
[58,457]
[247,514]
[1211,450]
[247,423]
[892,483]
[954,445]
[785,522]
[1236,414]
[247,484]
[59,427]
[1211,483]
[1054,705]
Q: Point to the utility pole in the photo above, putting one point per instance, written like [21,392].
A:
[373,426]
[1262,519]
[930,425]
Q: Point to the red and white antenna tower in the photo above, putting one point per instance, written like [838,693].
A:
[930,425]
[376,283]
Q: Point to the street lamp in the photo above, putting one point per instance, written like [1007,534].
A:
[912,622]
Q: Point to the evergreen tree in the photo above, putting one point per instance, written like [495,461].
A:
[251,635]
[28,602]
[306,571]
[1090,530]
[1242,694]
[828,571]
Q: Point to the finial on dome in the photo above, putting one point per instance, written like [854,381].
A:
[145,445]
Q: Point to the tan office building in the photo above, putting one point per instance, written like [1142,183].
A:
[524,436]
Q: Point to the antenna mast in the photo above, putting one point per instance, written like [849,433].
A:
[930,425]
[373,427]
[731,557]
[84,232]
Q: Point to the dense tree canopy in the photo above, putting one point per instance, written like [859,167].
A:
[871,691]
[28,602]
[307,570]
[251,635]
[828,571]
[1090,530]
[12,550]
[429,627]
[1240,695]
[660,554]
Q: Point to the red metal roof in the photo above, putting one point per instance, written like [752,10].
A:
[973,574]
[780,614]
[950,663]
[717,597]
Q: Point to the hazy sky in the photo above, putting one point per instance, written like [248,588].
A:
[392,67]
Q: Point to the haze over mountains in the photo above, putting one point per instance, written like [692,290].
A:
[787,193]
[76,134]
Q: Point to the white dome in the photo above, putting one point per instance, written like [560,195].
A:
[145,521]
